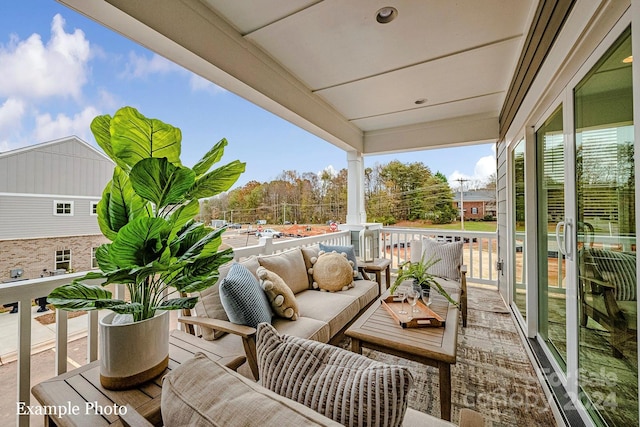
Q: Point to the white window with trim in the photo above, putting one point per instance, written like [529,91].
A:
[63,207]
[474,211]
[93,208]
[63,260]
[94,260]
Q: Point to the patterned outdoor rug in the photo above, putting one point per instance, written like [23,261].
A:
[492,375]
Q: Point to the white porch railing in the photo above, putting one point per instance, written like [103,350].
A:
[479,254]
[24,292]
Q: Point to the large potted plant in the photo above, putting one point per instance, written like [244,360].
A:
[418,273]
[157,248]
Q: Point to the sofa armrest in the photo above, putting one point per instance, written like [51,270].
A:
[247,333]
[219,325]
[132,418]
[470,418]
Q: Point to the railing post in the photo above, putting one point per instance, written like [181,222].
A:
[61,341]
[24,357]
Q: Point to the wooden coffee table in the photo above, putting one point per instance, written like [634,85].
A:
[377,330]
[81,386]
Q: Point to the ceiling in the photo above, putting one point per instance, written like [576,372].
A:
[331,68]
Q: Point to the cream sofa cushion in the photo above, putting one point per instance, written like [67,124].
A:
[289,265]
[201,392]
[336,309]
[365,290]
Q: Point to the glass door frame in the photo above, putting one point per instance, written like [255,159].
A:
[565,97]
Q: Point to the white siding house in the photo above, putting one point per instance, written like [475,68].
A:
[48,194]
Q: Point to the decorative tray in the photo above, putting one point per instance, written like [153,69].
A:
[424,319]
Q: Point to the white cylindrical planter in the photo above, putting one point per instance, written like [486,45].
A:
[133,353]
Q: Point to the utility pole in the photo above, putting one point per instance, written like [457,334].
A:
[284,212]
[461,181]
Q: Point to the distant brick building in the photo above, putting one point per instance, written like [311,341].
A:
[48,198]
[477,203]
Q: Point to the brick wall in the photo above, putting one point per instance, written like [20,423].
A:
[34,255]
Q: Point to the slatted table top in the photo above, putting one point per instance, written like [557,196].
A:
[81,387]
[378,330]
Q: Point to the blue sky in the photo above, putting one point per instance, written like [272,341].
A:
[58,70]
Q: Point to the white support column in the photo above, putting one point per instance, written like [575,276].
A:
[356,212]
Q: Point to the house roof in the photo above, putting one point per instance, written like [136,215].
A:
[65,140]
[332,69]
[476,196]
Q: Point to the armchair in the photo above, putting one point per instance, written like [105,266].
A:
[608,293]
[450,271]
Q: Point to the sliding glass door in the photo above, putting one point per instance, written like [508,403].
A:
[552,303]
[606,238]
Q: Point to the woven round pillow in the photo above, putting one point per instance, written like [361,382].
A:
[332,272]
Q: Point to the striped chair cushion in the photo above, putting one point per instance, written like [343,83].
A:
[619,269]
[344,386]
[449,254]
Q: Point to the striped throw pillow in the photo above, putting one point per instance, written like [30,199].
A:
[449,254]
[344,386]
[243,299]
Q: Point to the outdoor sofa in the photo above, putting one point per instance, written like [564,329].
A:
[323,316]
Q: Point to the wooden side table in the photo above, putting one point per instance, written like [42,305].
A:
[377,266]
[98,406]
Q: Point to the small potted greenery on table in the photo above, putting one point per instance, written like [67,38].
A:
[418,273]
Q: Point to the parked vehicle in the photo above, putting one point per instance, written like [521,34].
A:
[269,232]
[236,226]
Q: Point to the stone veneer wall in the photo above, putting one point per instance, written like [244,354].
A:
[34,255]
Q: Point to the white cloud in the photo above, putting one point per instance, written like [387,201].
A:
[33,70]
[484,168]
[198,83]
[141,66]
[48,128]
[11,113]
[330,170]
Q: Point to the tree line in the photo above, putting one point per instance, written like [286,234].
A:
[394,191]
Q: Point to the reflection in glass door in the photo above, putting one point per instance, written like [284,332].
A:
[519,241]
[606,237]
[552,304]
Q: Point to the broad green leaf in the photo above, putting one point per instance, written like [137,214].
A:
[78,296]
[177,303]
[161,182]
[135,137]
[101,128]
[206,246]
[103,257]
[121,307]
[213,156]
[119,204]
[103,214]
[140,242]
[217,181]
[188,236]
[181,216]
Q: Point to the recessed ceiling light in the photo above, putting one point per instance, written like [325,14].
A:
[628,60]
[421,101]
[386,14]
